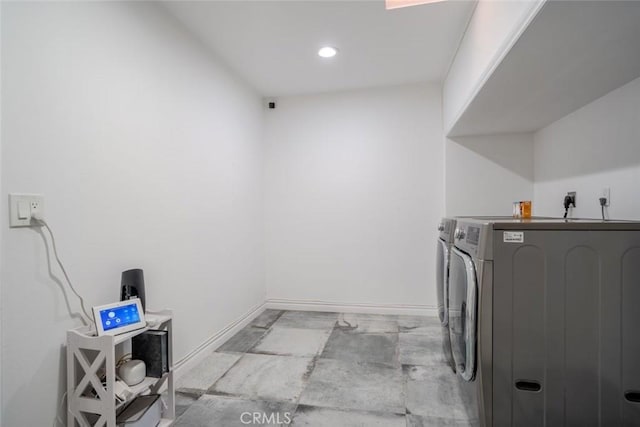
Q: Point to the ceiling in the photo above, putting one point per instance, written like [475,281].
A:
[273,44]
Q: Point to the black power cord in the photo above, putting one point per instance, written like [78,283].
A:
[603,203]
[568,201]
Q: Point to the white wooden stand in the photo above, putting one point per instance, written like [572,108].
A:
[90,400]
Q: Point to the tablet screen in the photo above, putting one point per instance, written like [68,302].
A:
[118,317]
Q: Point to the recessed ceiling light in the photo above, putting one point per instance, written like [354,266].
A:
[327,52]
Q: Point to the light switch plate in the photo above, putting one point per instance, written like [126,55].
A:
[19,204]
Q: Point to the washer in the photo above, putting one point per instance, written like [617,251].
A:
[446,228]
[445,241]
[543,321]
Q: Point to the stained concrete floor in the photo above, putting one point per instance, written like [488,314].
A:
[325,369]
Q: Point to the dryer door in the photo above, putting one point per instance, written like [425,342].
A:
[463,296]
[442,276]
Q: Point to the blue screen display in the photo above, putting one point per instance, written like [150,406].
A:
[118,317]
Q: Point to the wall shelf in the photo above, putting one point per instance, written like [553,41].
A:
[571,54]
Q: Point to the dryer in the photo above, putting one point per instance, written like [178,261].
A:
[543,320]
[446,229]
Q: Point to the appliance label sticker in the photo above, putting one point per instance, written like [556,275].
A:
[513,237]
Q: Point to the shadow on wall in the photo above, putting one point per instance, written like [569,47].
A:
[576,155]
[601,137]
[508,151]
[63,286]
[61,407]
[23,398]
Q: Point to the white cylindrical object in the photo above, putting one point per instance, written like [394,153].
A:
[132,372]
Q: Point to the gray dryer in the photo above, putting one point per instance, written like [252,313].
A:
[544,317]
[443,253]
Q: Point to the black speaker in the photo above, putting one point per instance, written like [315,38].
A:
[133,286]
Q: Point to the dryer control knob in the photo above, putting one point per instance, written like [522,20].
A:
[459,234]
[440,227]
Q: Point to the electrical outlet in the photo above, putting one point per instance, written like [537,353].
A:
[572,194]
[22,207]
[606,193]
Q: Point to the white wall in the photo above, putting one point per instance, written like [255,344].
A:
[486,174]
[354,193]
[149,155]
[1,97]
[594,147]
[492,30]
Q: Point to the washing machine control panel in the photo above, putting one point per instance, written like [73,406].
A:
[469,233]
[446,228]
[473,235]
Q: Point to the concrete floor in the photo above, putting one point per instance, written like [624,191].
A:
[325,369]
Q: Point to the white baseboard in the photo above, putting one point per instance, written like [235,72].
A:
[309,305]
[216,340]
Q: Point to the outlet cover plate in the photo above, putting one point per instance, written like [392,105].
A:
[29,203]
[606,193]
